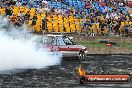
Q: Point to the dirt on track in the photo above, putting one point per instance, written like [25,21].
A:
[63,75]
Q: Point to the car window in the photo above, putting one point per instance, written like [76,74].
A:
[47,39]
[67,41]
[58,41]
[42,39]
[37,39]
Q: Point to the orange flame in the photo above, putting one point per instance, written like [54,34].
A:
[81,71]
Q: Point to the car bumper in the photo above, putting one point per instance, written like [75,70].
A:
[86,52]
[71,53]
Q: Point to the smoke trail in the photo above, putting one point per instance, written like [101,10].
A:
[18,54]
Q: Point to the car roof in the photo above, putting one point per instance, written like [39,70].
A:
[51,35]
[54,35]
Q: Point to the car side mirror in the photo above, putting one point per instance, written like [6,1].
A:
[74,43]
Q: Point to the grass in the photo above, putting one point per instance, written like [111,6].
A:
[91,44]
[124,44]
[102,45]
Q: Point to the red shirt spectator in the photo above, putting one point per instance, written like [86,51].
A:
[102,3]
[87,5]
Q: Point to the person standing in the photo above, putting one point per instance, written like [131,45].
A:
[44,25]
[12,2]
[34,21]
[18,3]
[0,2]
[8,11]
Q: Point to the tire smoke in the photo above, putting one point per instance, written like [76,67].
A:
[15,53]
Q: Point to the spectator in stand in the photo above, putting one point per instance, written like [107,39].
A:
[12,2]
[112,13]
[39,10]
[123,17]
[44,25]
[13,18]
[45,5]
[8,11]
[6,3]
[92,19]
[27,16]
[116,27]
[24,3]
[97,13]
[87,5]
[18,3]
[34,21]
[31,3]
[108,16]
[21,14]
[18,22]
[40,4]
[102,26]
[0,2]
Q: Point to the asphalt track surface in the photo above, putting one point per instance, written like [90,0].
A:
[63,75]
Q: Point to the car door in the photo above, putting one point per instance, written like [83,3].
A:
[59,44]
[70,45]
[66,47]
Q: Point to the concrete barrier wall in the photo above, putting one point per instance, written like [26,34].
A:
[109,50]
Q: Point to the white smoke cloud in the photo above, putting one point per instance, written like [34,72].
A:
[18,54]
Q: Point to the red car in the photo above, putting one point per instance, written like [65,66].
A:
[62,44]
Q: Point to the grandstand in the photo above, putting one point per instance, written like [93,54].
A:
[100,17]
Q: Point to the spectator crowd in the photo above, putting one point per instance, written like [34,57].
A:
[100,17]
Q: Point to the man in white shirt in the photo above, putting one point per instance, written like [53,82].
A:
[31,3]
[108,15]
[113,14]
[18,3]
